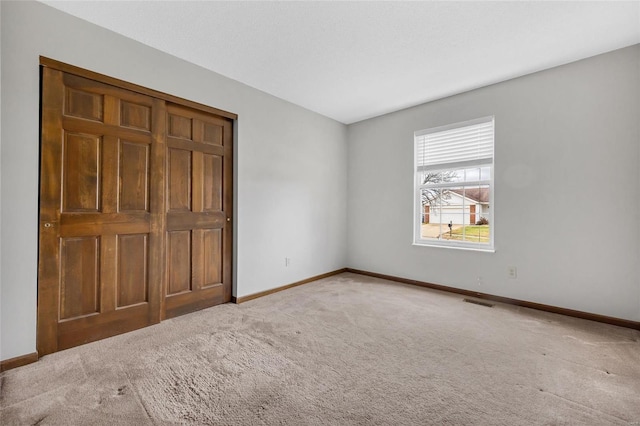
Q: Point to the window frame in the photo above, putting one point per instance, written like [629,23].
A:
[418,212]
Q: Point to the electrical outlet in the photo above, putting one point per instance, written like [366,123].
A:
[287,261]
[512,272]
[479,281]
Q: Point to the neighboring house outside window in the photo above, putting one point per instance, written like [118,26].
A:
[454,185]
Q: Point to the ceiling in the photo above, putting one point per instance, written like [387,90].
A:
[356,60]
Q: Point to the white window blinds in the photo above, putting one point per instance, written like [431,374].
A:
[456,146]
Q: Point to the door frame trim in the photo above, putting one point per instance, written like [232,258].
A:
[81,72]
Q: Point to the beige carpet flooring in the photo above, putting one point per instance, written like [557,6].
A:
[346,350]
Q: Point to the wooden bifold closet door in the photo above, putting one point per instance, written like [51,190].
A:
[135,209]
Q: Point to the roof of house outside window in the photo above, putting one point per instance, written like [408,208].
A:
[480,195]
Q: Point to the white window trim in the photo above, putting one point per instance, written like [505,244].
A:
[418,186]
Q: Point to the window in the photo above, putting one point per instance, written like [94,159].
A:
[454,185]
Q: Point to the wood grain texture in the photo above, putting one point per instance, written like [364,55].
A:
[134,177]
[179,180]
[185,303]
[200,202]
[81,174]
[157,203]
[108,272]
[61,66]
[212,258]
[50,189]
[178,262]
[92,169]
[80,273]
[212,183]
[135,115]
[132,284]
[179,126]
[532,305]
[85,105]
[136,201]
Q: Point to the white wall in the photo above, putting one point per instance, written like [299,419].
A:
[566,139]
[290,170]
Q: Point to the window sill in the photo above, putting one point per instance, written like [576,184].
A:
[446,246]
